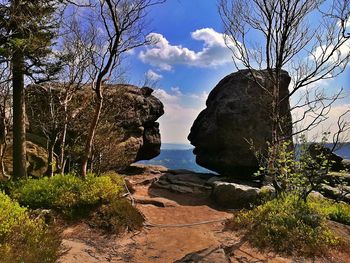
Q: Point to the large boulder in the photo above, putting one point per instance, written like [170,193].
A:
[127,130]
[231,195]
[238,112]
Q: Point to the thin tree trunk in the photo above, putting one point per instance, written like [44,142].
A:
[275,139]
[51,146]
[2,165]
[3,143]
[91,135]
[61,161]
[19,129]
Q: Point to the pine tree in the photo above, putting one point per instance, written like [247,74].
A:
[27,29]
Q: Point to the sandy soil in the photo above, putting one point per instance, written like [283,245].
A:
[200,243]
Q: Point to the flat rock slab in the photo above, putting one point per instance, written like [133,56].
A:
[208,255]
[156,201]
[198,178]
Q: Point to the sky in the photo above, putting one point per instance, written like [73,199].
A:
[188,60]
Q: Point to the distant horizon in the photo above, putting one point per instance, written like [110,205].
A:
[176,145]
[188,146]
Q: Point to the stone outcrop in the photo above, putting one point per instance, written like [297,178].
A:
[36,159]
[134,132]
[337,193]
[238,110]
[127,132]
[233,195]
[337,163]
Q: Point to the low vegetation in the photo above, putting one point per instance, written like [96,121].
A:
[117,216]
[289,225]
[335,211]
[23,239]
[292,220]
[66,194]
[97,199]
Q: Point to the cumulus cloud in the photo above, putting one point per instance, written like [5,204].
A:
[164,55]
[151,75]
[329,123]
[179,116]
[325,51]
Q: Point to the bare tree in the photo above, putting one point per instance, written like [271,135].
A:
[287,40]
[46,115]
[121,25]
[76,64]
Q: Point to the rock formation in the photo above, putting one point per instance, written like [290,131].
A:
[36,159]
[238,111]
[127,130]
[337,163]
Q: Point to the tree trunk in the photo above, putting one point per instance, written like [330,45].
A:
[61,159]
[275,135]
[51,146]
[3,143]
[91,135]
[2,165]
[19,129]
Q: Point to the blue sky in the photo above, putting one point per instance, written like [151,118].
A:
[188,61]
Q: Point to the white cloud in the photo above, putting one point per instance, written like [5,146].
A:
[176,91]
[179,116]
[323,52]
[202,96]
[151,75]
[328,125]
[166,97]
[181,109]
[164,55]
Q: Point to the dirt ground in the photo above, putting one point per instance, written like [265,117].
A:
[179,228]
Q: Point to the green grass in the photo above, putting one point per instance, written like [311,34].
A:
[23,239]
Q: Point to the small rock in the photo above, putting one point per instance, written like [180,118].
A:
[156,201]
[317,195]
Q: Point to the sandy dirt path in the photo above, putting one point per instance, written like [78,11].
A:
[170,243]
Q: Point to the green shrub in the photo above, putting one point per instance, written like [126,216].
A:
[291,171]
[117,216]
[286,225]
[106,187]
[335,211]
[66,193]
[23,239]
